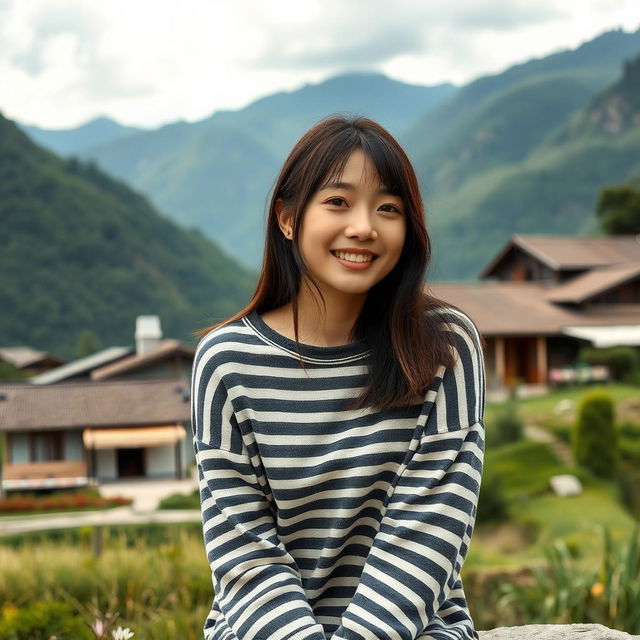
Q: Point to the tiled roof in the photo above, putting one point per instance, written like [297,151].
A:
[522,308]
[23,357]
[590,284]
[166,349]
[572,252]
[82,365]
[93,404]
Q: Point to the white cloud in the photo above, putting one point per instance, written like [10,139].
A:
[148,62]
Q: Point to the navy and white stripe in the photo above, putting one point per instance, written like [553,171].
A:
[320,521]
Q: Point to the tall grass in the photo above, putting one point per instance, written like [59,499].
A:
[160,592]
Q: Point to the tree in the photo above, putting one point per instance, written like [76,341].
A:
[619,209]
[595,444]
[87,344]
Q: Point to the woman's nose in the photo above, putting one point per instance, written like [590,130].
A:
[360,225]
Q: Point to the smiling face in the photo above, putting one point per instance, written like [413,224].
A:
[352,231]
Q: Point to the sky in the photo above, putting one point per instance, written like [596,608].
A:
[150,62]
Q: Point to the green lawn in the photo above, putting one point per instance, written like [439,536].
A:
[538,517]
[542,407]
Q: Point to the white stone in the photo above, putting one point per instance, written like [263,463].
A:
[556,632]
[565,485]
[564,406]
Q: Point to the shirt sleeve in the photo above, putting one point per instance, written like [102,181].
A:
[415,559]
[256,582]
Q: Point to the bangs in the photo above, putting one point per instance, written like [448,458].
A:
[389,168]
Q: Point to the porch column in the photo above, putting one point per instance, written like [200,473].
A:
[541,359]
[500,359]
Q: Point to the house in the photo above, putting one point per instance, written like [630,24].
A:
[29,359]
[119,413]
[84,432]
[543,297]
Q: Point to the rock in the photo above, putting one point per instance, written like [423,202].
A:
[563,407]
[556,632]
[565,485]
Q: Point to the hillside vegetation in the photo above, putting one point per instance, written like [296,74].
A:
[82,250]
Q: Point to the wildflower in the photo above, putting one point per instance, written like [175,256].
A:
[122,634]
[9,611]
[99,628]
[597,589]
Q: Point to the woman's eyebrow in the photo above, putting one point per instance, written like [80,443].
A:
[350,187]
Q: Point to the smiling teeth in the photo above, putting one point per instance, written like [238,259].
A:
[354,257]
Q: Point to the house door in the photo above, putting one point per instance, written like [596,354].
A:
[130,462]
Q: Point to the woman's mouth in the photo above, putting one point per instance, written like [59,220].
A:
[354,261]
[354,257]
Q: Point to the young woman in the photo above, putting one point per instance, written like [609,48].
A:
[338,418]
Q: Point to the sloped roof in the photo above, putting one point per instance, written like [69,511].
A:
[571,252]
[166,349]
[81,365]
[522,308]
[592,283]
[24,357]
[94,404]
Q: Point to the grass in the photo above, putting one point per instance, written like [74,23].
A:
[537,516]
[157,578]
[542,407]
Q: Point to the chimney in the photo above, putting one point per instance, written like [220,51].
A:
[148,334]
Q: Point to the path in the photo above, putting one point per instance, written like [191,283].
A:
[559,447]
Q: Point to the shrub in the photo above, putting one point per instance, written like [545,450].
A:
[41,621]
[594,436]
[508,426]
[622,361]
[181,501]
[629,488]
[17,502]
[492,503]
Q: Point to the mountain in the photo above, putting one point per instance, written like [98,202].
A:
[66,141]
[81,250]
[216,173]
[552,189]
[490,161]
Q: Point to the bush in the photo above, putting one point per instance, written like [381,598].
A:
[41,621]
[622,362]
[181,501]
[508,426]
[492,503]
[17,502]
[594,436]
[629,488]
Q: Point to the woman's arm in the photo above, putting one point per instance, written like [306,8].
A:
[257,584]
[416,556]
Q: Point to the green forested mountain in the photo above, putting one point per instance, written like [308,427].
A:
[81,250]
[527,158]
[65,141]
[216,174]
[507,153]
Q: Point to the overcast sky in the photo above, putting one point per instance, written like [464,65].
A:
[148,62]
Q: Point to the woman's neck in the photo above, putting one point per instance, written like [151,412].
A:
[316,327]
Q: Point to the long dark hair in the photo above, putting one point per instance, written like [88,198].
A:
[403,325]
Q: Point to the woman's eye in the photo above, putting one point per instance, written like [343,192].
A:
[336,202]
[390,208]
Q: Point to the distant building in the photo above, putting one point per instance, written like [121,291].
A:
[119,413]
[549,296]
[29,359]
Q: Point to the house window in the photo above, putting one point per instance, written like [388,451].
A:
[46,446]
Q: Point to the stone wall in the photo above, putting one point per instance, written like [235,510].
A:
[556,632]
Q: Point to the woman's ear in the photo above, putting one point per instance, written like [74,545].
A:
[284,219]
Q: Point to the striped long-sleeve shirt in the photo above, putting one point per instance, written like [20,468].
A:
[324,522]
